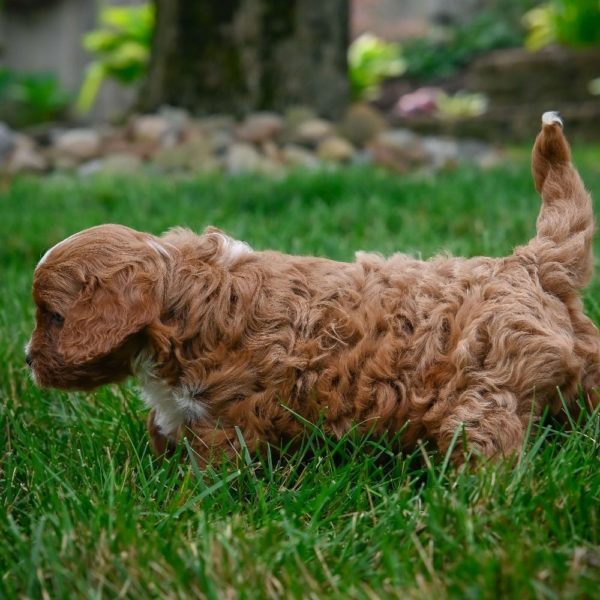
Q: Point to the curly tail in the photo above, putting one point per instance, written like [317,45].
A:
[565,225]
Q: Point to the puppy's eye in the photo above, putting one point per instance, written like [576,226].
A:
[56,319]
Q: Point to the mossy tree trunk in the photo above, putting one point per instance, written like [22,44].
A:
[243,55]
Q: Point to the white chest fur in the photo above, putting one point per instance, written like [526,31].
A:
[173,407]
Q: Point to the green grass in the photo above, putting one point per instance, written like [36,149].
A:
[86,511]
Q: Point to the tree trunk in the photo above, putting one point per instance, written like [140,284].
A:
[237,56]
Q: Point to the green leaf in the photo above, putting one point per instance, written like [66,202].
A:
[94,76]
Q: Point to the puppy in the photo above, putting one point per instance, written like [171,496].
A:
[227,341]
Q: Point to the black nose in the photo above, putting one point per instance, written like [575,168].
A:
[28,359]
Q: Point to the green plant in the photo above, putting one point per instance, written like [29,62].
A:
[460,105]
[30,98]
[448,49]
[371,60]
[121,46]
[566,22]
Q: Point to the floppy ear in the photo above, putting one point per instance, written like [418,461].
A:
[106,313]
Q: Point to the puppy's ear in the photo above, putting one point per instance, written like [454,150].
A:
[106,313]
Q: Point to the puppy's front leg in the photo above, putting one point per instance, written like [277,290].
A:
[161,445]
[211,444]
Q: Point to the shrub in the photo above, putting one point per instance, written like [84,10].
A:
[122,48]
[568,22]
[449,49]
[371,60]
[31,98]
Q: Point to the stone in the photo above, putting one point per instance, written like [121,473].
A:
[313,131]
[361,124]
[220,140]
[483,155]
[297,156]
[188,156]
[7,141]
[441,153]
[296,115]
[25,158]
[205,164]
[261,127]
[113,164]
[76,146]
[271,151]
[215,122]
[335,149]
[177,118]
[270,167]
[398,149]
[151,129]
[242,157]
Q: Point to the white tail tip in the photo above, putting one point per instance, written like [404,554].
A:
[551,117]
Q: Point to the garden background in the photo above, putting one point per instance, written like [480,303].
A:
[312,128]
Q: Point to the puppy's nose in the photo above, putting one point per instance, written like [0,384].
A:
[28,359]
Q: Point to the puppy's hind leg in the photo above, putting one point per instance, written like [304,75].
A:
[486,421]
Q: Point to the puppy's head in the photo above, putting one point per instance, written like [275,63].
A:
[95,293]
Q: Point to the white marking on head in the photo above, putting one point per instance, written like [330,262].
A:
[158,247]
[47,253]
[232,249]
[551,117]
[31,369]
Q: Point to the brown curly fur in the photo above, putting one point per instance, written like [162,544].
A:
[399,344]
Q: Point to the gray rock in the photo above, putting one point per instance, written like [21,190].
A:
[361,124]
[7,141]
[441,153]
[260,127]
[398,149]
[25,158]
[76,146]
[194,156]
[335,149]
[313,131]
[177,118]
[242,158]
[216,122]
[151,129]
[114,164]
[297,156]
[480,153]
[296,115]
[220,140]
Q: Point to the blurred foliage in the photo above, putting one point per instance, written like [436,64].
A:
[567,22]
[440,54]
[121,46]
[460,105]
[370,61]
[31,98]
[446,50]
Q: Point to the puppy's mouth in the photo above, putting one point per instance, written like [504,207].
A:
[33,375]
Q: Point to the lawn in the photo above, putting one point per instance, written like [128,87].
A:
[87,512]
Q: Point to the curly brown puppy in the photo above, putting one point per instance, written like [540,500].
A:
[223,337]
